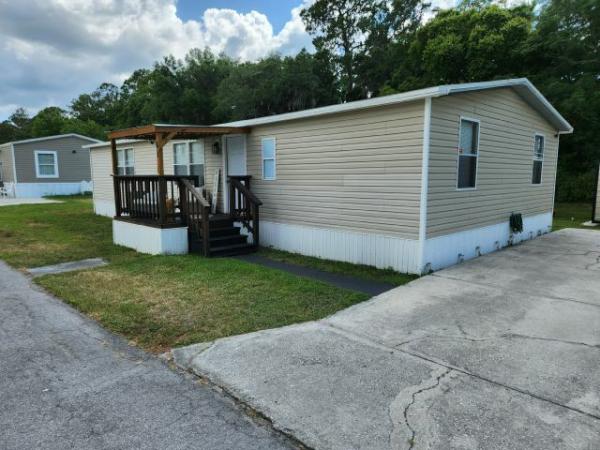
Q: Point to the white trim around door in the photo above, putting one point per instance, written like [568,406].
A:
[226,139]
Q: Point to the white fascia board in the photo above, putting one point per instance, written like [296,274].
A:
[58,136]
[522,85]
[101,144]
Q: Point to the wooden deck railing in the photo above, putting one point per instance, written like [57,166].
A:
[195,211]
[244,205]
[151,199]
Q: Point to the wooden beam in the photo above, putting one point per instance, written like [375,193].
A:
[132,132]
[186,131]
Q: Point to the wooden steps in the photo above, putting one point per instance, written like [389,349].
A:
[225,238]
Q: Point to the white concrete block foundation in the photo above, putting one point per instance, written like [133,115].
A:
[151,240]
[445,251]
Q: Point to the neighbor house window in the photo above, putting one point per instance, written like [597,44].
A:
[188,159]
[125,163]
[538,159]
[268,158]
[46,164]
[468,153]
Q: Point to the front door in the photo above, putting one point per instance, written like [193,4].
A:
[236,159]
[236,155]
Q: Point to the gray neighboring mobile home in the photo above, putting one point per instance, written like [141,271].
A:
[415,181]
[52,165]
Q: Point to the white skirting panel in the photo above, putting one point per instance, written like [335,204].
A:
[34,190]
[105,208]
[342,245]
[150,240]
[445,251]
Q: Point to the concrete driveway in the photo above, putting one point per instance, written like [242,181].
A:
[65,383]
[502,352]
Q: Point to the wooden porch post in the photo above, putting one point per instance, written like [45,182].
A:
[160,162]
[115,171]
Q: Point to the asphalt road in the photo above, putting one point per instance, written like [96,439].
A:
[67,383]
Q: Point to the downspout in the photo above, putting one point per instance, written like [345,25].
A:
[14,168]
[424,185]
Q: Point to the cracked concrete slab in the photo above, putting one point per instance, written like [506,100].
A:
[67,383]
[71,266]
[500,352]
[492,333]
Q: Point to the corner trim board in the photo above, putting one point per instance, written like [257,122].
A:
[424,184]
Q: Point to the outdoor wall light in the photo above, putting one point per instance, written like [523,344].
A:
[216,147]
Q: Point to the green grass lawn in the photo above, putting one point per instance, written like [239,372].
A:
[572,215]
[158,302]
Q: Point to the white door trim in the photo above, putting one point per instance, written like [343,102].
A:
[226,162]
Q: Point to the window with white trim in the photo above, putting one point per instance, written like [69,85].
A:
[538,159]
[268,158]
[46,164]
[468,153]
[188,159]
[125,162]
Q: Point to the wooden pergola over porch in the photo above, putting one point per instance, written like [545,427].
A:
[171,201]
[161,134]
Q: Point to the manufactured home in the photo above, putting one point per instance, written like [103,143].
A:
[53,165]
[415,181]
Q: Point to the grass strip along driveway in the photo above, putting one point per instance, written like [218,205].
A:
[158,302]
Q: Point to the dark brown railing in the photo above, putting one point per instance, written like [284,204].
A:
[244,205]
[150,199]
[195,211]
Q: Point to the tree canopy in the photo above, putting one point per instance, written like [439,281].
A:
[367,48]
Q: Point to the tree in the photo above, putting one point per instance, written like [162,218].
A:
[339,27]
[101,106]
[563,57]
[464,45]
[358,34]
[49,121]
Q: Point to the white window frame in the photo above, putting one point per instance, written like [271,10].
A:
[124,159]
[536,158]
[458,154]
[263,159]
[188,163]
[37,163]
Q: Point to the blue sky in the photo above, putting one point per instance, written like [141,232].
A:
[278,11]
[53,50]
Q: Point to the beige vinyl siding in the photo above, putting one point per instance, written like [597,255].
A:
[101,174]
[507,129]
[73,160]
[359,171]
[212,162]
[144,158]
[6,161]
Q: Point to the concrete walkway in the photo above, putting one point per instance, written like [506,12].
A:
[5,201]
[345,282]
[67,383]
[71,266]
[502,352]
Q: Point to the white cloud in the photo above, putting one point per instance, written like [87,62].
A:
[52,50]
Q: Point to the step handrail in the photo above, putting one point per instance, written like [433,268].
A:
[195,210]
[244,205]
